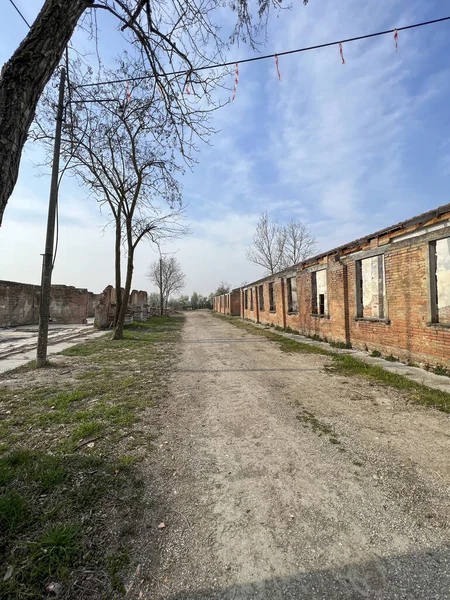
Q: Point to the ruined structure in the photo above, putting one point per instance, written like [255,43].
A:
[105,310]
[388,291]
[19,304]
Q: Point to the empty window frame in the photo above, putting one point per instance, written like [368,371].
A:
[272,305]
[246,299]
[319,293]
[261,297]
[440,280]
[291,284]
[251,299]
[371,288]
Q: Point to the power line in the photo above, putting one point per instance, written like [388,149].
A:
[265,57]
[17,9]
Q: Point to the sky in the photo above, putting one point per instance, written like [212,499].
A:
[345,149]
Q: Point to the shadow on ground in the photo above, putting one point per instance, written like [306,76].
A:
[415,576]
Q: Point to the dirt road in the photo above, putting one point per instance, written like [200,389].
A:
[276,478]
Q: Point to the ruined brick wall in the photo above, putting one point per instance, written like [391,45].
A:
[19,304]
[103,312]
[93,300]
[138,308]
[68,304]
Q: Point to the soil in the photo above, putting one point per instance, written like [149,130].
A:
[275,478]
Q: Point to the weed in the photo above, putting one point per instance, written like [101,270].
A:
[117,562]
[316,337]
[54,552]
[391,358]
[319,427]
[125,462]
[316,425]
[86,430]
[411,363]
[49,473]
[342,345]
[14,512]
[439,370]
[375,354]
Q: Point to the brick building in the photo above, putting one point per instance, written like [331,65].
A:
[228,304]
[388,291]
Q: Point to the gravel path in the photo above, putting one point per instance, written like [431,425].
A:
[277,479]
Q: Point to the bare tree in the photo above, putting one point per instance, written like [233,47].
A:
[127,161]
[167,275]
[297,242]
[170,39]
[223,288]
[277,246]
[267,247]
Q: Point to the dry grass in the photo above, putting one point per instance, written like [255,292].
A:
[70,482]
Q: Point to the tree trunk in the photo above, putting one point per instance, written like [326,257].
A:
[118,270]
[23,79]
[118,331]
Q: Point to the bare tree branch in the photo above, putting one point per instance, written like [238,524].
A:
[276,246]
[163,37]
[168,276]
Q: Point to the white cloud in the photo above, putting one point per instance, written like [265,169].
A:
[331,145]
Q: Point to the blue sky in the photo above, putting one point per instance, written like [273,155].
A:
[347,149]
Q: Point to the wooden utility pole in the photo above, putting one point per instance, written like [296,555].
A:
[47,261]
[161,298]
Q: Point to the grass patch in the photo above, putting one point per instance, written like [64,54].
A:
[308,419]
[14,512]
[54,552]
[345,364]
[341,345]
[391,358]
[317,426]
[64,501]
[440,370]
[116,563]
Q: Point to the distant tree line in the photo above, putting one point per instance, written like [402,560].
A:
[172,281]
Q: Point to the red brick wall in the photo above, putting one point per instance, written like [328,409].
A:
[19,304]
[405,332]
[68,304]
[235,303]
[227,304]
